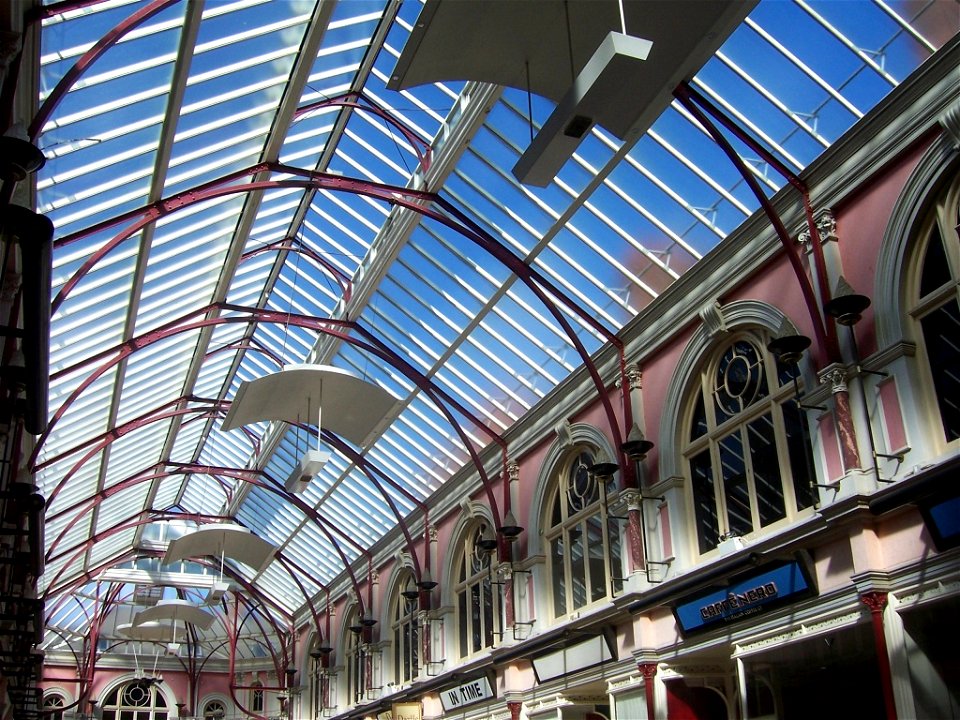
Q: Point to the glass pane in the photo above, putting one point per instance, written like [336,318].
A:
[559,577]
[595,547]
[578,567]
[475,628]
[736,491]
[801,455]
[698,424]
[941,333]
[415,646]
[398,660]
[487,618]
[464,623]
[616,555]
[936,269]
[556,515]
[704,501]
[766,470]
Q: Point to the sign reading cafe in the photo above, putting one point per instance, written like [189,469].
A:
[468,693]
[745,595]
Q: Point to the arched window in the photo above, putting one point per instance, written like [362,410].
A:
[53,704]
[354,658]
[747,447]
[214,710]
[935,304]
[478,607]
[584,548]
[256,696]
[406,633]
[135,701]
[322,686]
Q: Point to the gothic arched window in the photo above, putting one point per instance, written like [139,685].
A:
[135,701]
[406,633]
[53,705]
[584,548]
[214,710]
[355,661]
[935,304]
[478,607]
[747,447]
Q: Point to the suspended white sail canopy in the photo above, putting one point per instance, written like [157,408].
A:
[175,609]
[582,54]
[150,631]
[221,541]
[352,408]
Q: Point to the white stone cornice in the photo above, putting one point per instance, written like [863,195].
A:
[950,122]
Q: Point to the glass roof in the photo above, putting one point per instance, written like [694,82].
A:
[186,263]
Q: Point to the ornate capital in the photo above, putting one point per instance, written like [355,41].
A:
[432,529]
[648,670]
[837,377]
[875,600]
[504,572]
[634,376]
[826,228]
[513,471]
[631,498]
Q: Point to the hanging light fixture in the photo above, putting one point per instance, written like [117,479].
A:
[603,469]
[847,305]
[509,528]
[636,445]
[487,542]
[426,580]
[788,344]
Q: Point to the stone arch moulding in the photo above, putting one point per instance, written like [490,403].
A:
[401,569]
[213,697]
[68,697]
[472,512]
[939,163]
[736,315]
[129,677]
[579,434]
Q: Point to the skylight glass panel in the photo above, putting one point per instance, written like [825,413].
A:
[796,75]
[203,494]
[168,490]
[66,543]
[281,587]
[136,453]
[119,507]
[107,548]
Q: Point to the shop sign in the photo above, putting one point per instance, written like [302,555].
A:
[942,518]
[744,596]
[407,711]
[467,694]
[575,657]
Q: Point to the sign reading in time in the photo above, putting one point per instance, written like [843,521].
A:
[466,694]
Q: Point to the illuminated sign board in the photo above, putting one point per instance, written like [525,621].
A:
[407,711]
[743,596]
[467,694]
[942,518]
[576,656]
